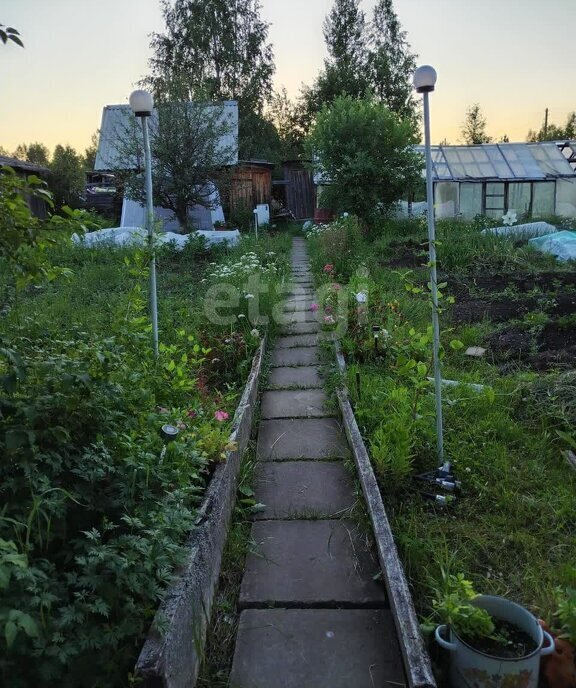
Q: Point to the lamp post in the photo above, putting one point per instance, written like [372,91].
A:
[142,105]
[424,82]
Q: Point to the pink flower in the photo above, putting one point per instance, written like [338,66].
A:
[329,320]
[314,307]
[192,413]
[336,286]
[221,415]
[328,268]
[328,309]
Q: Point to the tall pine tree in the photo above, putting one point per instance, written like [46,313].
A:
[217,50]
[391,62]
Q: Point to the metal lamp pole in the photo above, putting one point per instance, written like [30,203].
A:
[424,82]
[142,105]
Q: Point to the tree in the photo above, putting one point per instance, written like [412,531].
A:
[474,126]
[391,62]
[552,132]
[364,150]
[188,157]
[90,153]
[67,180]
[219,49]
[286,117]
[38,154]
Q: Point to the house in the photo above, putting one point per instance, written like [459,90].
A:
[251,184]
[25,169]
[534,179]
[118,120]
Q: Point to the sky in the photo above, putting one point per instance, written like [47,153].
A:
[513,57]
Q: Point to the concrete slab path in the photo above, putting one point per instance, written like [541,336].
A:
[315,613]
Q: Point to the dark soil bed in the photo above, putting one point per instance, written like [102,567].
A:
[518,643]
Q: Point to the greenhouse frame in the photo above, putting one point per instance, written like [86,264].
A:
[534,179]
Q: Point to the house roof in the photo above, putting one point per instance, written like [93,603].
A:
[22,165]
[118,121]
[500,162]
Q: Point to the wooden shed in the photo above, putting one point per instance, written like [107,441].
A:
[251,184]
[24,168]
[300,194]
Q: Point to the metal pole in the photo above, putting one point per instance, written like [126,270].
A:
[150,227]
[433,283]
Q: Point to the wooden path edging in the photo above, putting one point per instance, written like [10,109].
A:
[416,660]
[171,658]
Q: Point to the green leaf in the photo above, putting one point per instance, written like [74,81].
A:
[10,633]
[456,344]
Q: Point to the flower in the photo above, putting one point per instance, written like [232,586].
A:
[314,307]
[191,413]
[221,415]
[361,297]
[255,332]
[248,296]
[328,268]
[241,316]
[336,286]
[328,309]
[344,214]
[510,218]
[329,320]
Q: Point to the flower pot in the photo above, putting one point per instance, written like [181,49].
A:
[471,668]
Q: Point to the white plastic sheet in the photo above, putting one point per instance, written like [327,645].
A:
[122,236]
[530,229]
[560,244]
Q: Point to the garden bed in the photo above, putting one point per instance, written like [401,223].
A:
[510,531]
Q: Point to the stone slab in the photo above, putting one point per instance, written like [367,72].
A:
[303,377]
[303,489]
[316,648]
[297,340]
[300,328]
[302,279]
[310,564]
[292,306]
[301,295]
[295,403]
[301,438]
[296,356]
[299,317]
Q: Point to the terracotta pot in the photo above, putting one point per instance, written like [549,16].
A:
[559,668]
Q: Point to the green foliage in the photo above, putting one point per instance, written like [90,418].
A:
[220,50]
[7,33]
[363,149]
[391,62]
[554,132]
[566,613]
[452,605]
[67,181]
[180,182]
[474,126]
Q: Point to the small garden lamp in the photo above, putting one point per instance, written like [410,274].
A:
[424,82]
[142,105]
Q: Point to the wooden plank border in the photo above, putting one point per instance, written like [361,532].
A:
[171,657]
[416,659]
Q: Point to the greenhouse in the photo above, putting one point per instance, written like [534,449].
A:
[533,179]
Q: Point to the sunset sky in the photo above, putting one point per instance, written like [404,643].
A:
[513,57]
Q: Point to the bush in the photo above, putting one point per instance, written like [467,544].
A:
[364,150]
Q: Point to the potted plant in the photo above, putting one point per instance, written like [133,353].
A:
[494,643]
[220,226]
[559,668]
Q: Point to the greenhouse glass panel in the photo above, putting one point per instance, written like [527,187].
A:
[543,199]
[521,160]
[519,195]
[470,200]
[566,197]
[550,159]
[446,199]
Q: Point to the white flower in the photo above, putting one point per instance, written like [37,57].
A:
[255,332]
[510,218]
[248,296]
[241,316]
[361,297]
[344,214]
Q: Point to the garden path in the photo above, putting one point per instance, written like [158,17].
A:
[313,615]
